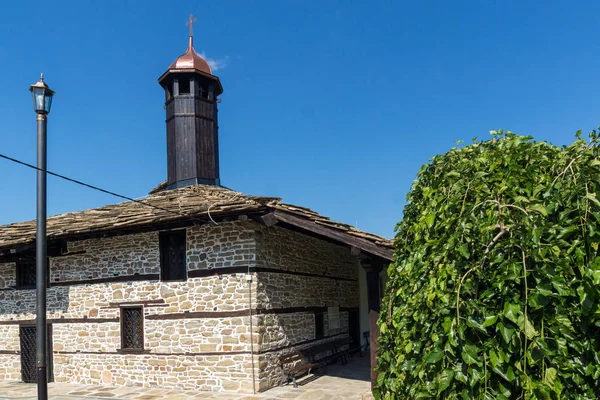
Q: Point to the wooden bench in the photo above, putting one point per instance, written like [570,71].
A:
[294,365]
[298,363]
[323,353]
[352,347]
[341,349]
[330,352]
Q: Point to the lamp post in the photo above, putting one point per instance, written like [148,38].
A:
[42,100]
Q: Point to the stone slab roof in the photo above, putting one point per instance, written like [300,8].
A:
[198,202]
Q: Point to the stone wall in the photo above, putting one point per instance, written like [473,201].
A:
[194,372]
[197,333]
[309,273]
[9,335]
[292,251]
[10,367]
[212,293]
[223,245]
[10,364]
[278,290]
[106,258]
[8,275]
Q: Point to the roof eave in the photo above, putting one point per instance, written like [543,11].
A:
[313,227]
[219,89]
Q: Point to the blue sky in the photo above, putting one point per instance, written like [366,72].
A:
[332,105]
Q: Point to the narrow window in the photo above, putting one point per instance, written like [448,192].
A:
[26,274]
[184,86]
[168,91]
[173,265]
[319,325]
[132,328]
[203,92]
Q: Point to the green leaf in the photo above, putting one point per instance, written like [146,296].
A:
[558,388]
[506,332]
[538,208]
[510,374]
[537,300]
[474,324]
[542,393]
[476,376]
[549,377]
[596,277]
[459,375]
[564,320]
[464,251]
[435,356]
[501,373]
[489,320]
[444,380]
[593,198]
[561,289]
[567,231]
[526,327]
[494,359]
[511,311]
[586,298]
[447,325]
[429,220]
[470,355]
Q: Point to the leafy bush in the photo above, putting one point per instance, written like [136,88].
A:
[495,288]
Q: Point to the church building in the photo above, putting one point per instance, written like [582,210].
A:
[196,286]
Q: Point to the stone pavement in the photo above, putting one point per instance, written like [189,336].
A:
[341,382]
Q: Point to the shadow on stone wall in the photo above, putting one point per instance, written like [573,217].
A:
[19,302]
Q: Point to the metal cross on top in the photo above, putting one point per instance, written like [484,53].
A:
[191,24]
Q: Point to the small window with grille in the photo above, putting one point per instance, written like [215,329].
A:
[132,328]
[26,274]
[173,259]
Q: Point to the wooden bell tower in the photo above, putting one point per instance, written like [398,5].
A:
[191,92]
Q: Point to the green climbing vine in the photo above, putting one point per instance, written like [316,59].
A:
[495,288]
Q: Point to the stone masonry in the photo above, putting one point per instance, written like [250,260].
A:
[198,333]
[333,283]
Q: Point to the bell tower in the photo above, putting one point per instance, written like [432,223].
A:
[191,92]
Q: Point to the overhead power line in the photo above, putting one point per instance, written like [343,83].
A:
[66,178]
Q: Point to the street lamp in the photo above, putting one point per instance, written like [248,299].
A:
[42,96]
[42,101]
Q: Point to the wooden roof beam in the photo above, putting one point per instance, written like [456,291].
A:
[333,234]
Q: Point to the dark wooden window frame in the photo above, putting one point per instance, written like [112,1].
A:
[125,349]
[204,92]
[185,86]
[24,263]
[163,244]
[319,325]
